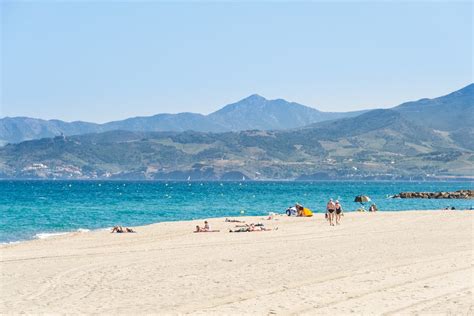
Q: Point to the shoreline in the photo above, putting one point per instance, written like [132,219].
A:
[45,235]
[383,262]
[448,180]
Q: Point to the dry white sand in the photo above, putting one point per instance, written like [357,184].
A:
[400,262]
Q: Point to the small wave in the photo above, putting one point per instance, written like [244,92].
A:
[10,242]
[49,235]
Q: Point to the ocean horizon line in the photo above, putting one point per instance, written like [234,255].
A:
[462,179]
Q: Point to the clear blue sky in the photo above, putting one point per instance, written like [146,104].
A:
[101,61]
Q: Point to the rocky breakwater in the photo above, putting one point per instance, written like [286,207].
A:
[460,194]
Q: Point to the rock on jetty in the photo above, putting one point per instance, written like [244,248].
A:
[460,194]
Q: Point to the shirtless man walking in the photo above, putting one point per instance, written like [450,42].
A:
[330,209]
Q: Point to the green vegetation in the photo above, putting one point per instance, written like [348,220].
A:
[429,138]
[380,144]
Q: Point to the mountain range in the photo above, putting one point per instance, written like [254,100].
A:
[253,112]
[425,139]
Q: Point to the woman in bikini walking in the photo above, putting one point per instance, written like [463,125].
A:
[338,212]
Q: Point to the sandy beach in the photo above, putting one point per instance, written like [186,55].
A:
[379,263]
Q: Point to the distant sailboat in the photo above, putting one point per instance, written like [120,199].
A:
[243,178]
[189,178]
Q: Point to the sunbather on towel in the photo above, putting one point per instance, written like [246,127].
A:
[239,230]
[250,228]
[120,229]
[248,225]
[233,221]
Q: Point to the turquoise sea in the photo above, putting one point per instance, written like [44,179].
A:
[36,209]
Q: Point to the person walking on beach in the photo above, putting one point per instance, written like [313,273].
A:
[338,212]
[330,209]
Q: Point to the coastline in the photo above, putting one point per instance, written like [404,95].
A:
[413,261]
[464,179]
[31,208]
[54,234]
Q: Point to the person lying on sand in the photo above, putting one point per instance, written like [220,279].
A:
[250,228]
[239,230]
[233,221]
[248,225]
[254,228]
[120,229]
[205,229]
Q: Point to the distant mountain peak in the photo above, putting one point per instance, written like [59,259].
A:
[253,97]
[449,112]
